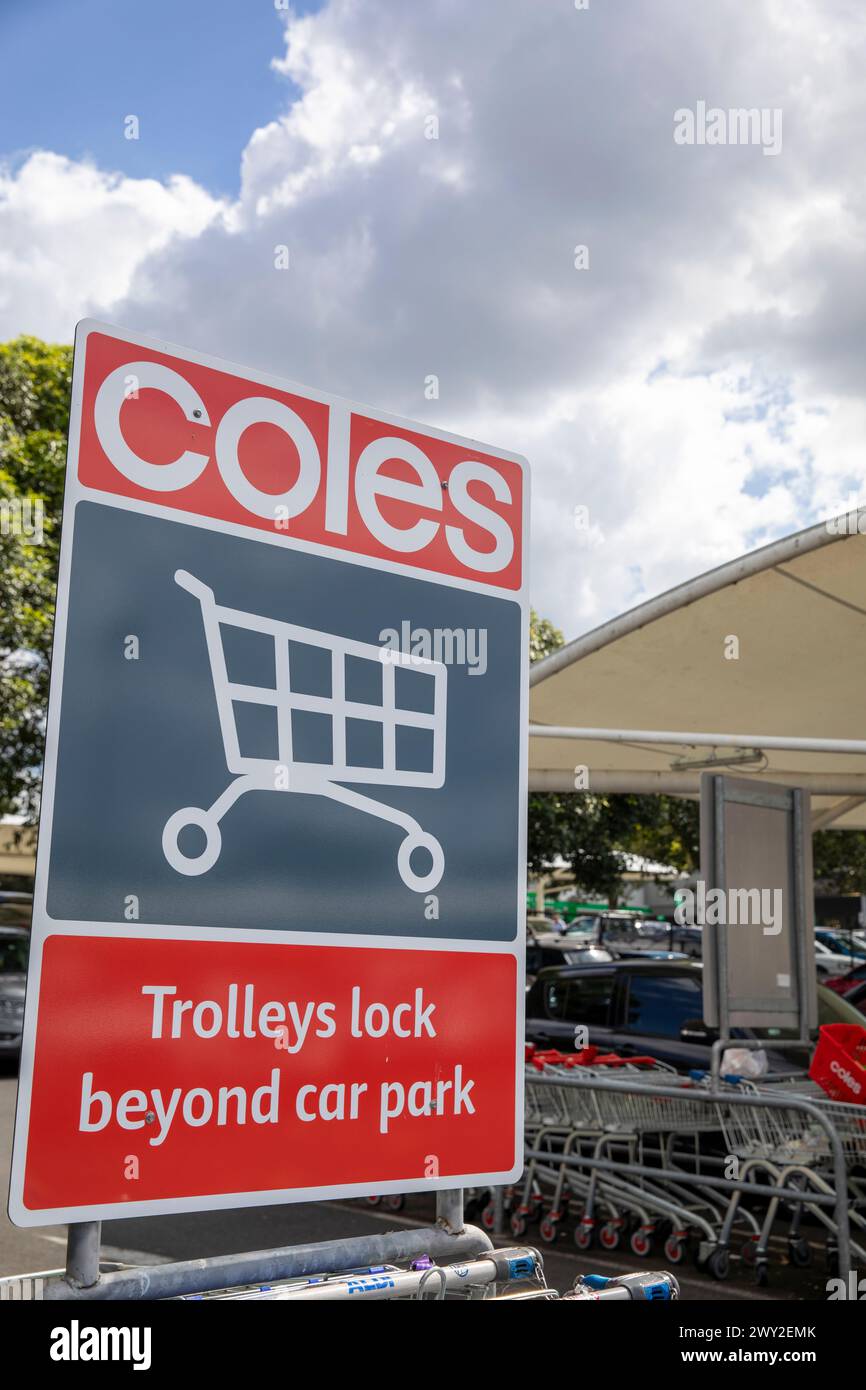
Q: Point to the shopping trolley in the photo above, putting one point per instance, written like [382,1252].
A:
[288,773]
[566,1125]
[790,1147]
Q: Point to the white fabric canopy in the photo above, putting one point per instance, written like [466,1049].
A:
[660,685]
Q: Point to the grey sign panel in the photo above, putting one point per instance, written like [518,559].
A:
[229,633]
[758,937]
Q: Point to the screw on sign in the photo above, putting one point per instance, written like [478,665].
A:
[299,968]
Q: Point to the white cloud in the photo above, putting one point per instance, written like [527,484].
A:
[698,388]
[73,236]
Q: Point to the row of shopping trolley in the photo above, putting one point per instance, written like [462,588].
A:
[631,1151]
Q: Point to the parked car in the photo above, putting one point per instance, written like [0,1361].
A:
[849,981]
[537,926]
[830,963]
[840,944]
[14,949]
[689,940]
[16,909]
[554,950]
[624,935]
[652,1008]
[857,998]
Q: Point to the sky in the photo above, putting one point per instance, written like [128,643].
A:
[687,387]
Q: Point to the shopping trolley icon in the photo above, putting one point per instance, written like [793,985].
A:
[287,772]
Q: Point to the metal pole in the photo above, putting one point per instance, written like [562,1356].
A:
[722,981]
[82,1253]
[802,891]
[267,1266]
[687,739]
[499,1211]
[561,779]
[449,1209]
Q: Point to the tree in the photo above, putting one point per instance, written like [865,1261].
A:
[595,835]
[34,412]
[544,638]
[840,860]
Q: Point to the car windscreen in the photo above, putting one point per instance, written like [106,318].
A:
[581,999]
[659,1005]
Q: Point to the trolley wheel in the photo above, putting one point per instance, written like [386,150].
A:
[583,1236]
[675,1250]
[719,1262]
[192,864]
[640,1243]
[549,1230]
[518,1225]
[610,1236]
[762,1274]
[373,1201]
[800,1252]
[419,839]
[395,1203]
[749,1252]
[488,1217]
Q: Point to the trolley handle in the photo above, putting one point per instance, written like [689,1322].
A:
[194,586]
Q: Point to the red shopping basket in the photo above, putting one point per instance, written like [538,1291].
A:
[839,1063]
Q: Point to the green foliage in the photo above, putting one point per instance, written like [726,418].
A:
[596,834]
[840,860]
[34,411]
[544,638]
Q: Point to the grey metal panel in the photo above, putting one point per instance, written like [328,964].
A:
[758,972]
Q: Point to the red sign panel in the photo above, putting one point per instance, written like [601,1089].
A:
[152,1057]
[183,435]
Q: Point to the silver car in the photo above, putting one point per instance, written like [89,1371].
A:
[14,949]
